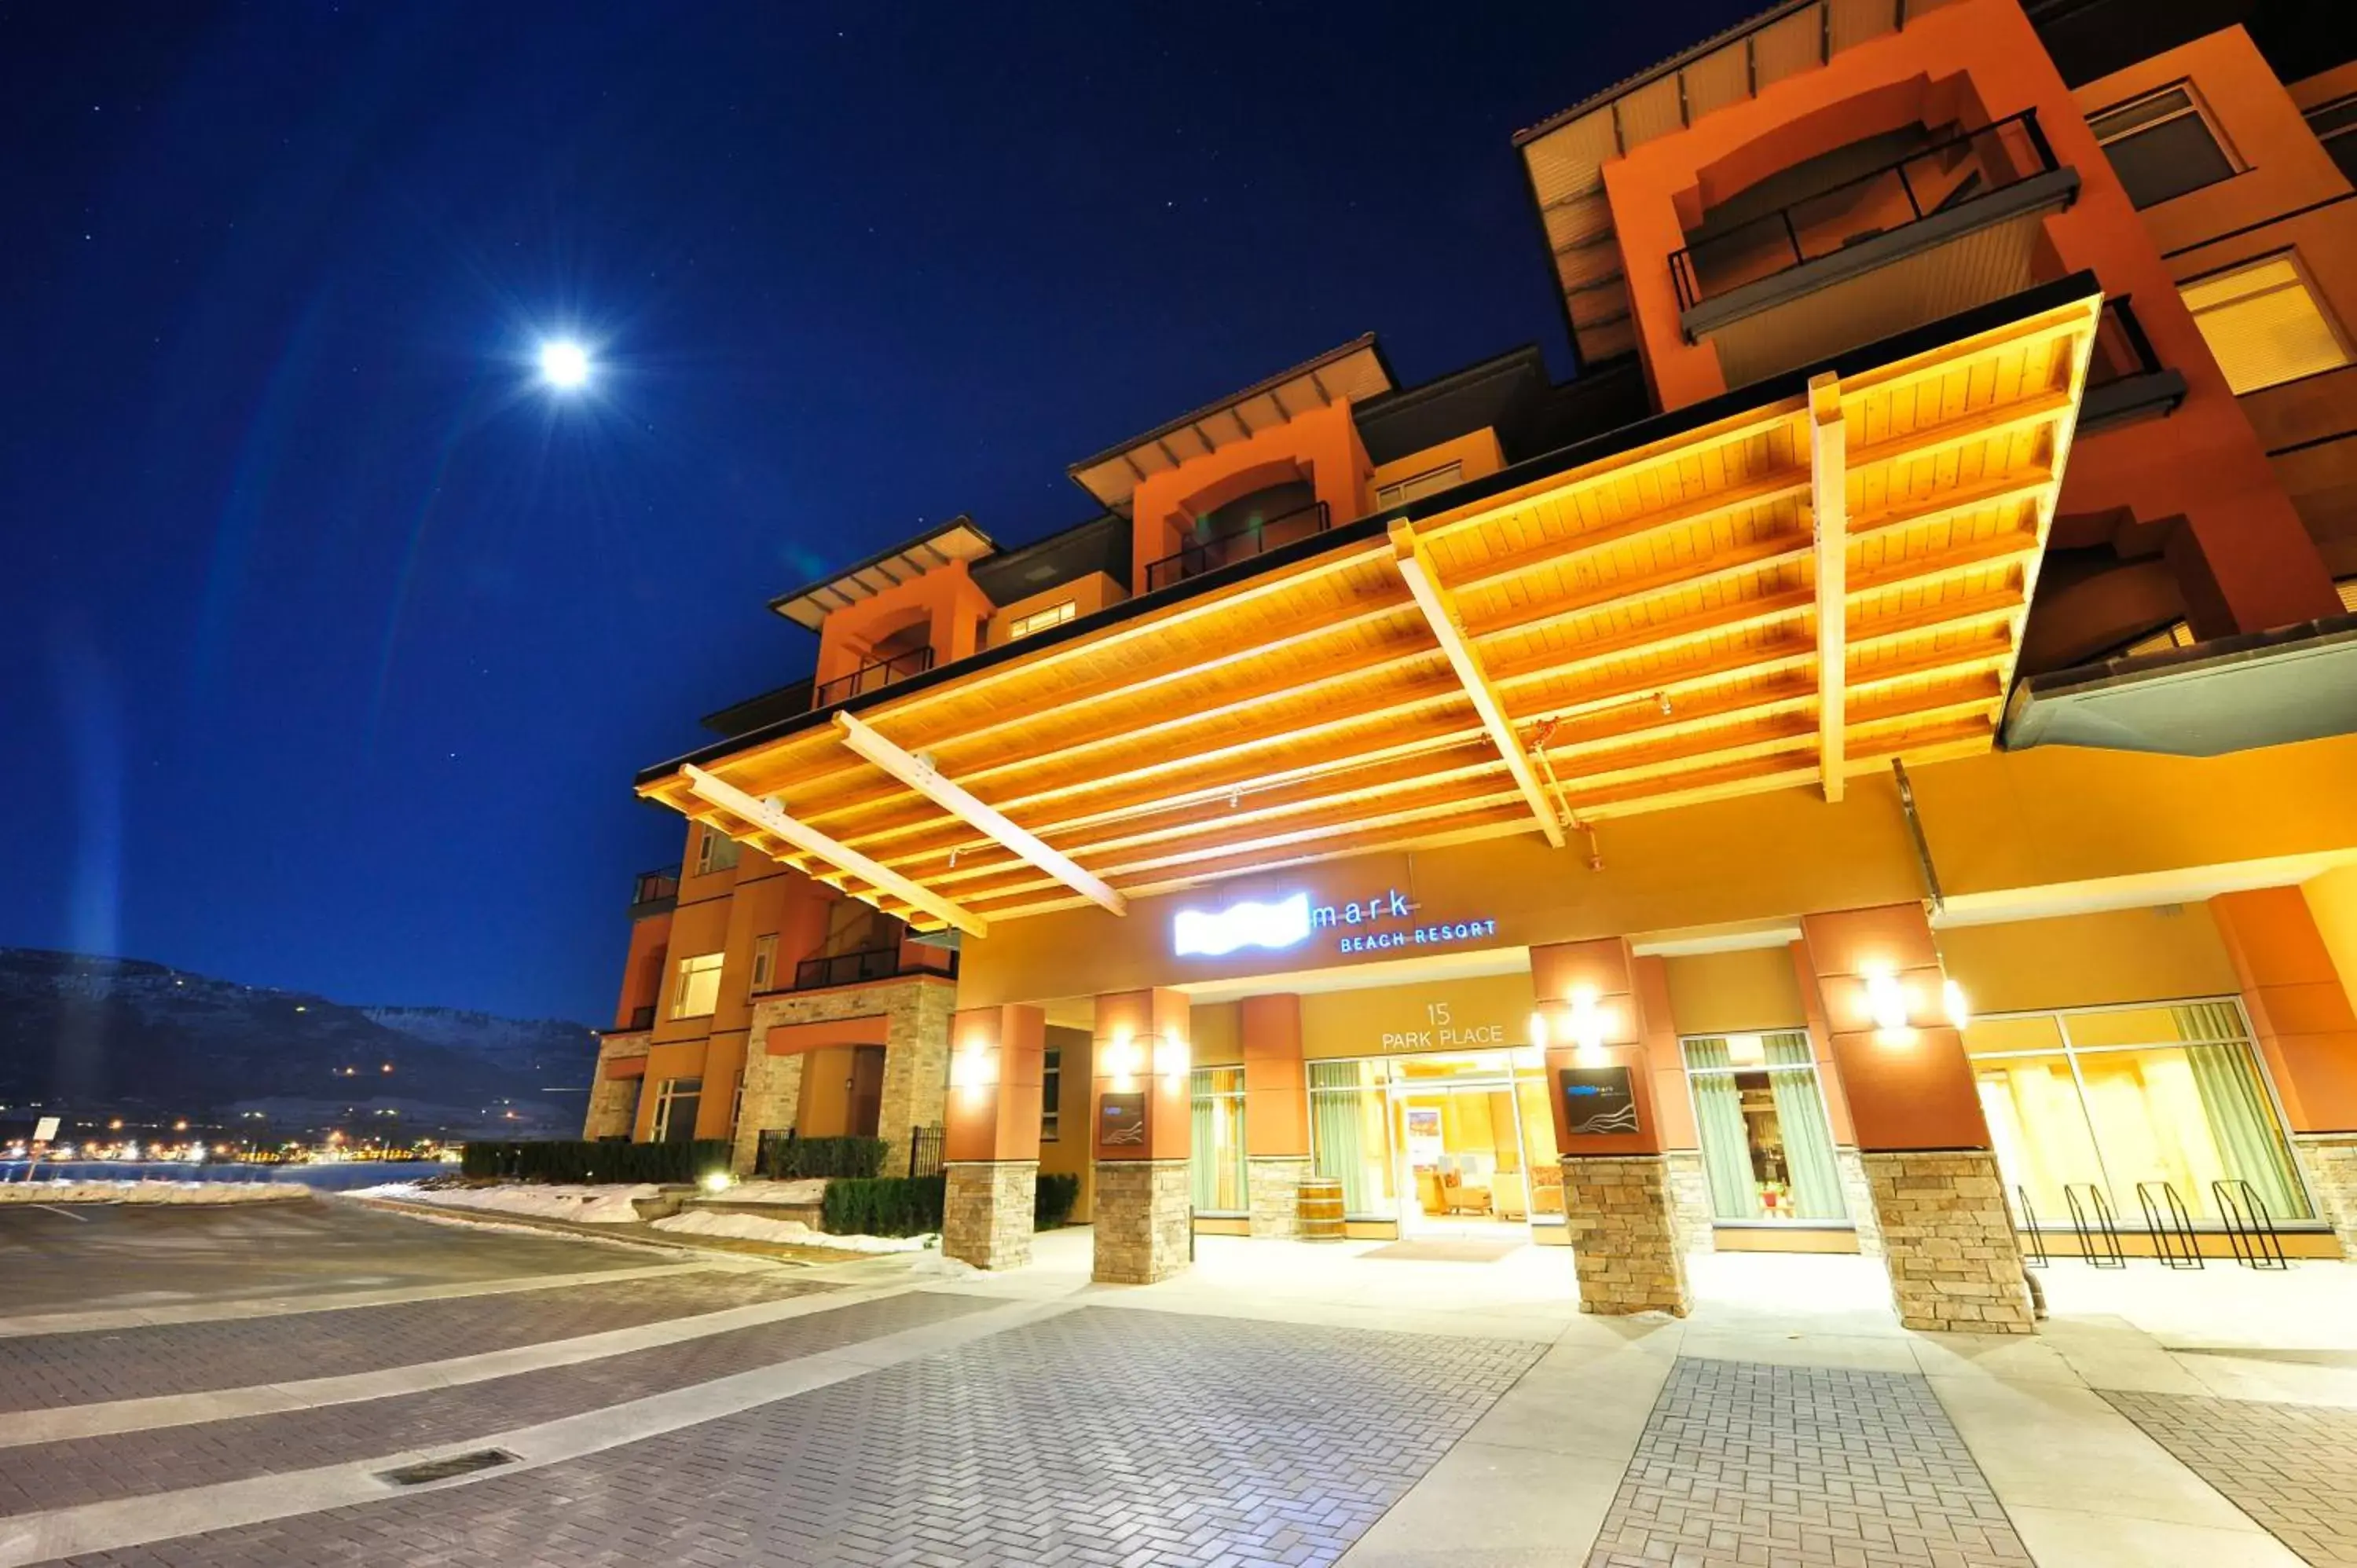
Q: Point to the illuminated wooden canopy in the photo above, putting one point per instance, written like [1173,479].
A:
[1636,632]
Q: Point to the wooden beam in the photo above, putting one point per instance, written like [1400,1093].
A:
[1829,506]
[921,778]
[770,818]
[1423,577]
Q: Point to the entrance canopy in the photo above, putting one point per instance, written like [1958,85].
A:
[1797,583]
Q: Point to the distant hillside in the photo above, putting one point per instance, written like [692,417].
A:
[126,1033]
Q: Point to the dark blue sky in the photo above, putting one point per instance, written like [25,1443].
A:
[328,643]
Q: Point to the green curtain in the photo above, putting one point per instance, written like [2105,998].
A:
[1726,1144]
[1335,1148]
[1808,1141]
[2241,1121]
[1201,1163]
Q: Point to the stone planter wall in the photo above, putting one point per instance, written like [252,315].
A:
[1624,1238]
[1948,1240]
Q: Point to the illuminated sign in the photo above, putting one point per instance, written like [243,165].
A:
[1215,933]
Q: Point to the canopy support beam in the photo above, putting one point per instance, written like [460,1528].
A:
[1829,509]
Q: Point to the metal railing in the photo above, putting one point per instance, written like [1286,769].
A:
[868,963]
[2121,350]
[650,888]
[925,1146]
[871,677]
[1256,537]
[2250,1229]
[1939,178]
[2167,1224]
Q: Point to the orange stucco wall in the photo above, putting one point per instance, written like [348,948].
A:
[1276,1087]
[944,600]
[1320,446]
[2299,1008]
[2245,559]
[992,1110]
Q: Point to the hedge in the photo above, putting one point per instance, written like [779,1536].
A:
[1052,1202]
[883,1205]
[788,1159]
[579,1160]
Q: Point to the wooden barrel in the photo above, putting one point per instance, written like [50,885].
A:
[1321,1208]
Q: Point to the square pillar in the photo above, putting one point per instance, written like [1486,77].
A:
[1691,1214]
[1626,1246]
[1141,1134]
[1276,1114]
[1937,1198]
[1857,1193]
[991,1135]
[2306,1029]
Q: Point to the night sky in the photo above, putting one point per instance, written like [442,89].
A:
[330,639]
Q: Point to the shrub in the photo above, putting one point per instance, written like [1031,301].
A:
[1052,1202]
[883,1205]
[788,1159]
[579,1160]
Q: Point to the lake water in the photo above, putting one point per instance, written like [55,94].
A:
[341,1177]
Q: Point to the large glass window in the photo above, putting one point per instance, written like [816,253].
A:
[1217,1161]
[2119,1097]
[1766,1147]
[696,991]
[1349,1136]
[714,850]
[1051,1094]
[2162,145]
[676,1104]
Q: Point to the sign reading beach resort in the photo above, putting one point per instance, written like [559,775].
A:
[1379,924]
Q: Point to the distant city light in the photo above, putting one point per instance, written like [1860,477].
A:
[564,364]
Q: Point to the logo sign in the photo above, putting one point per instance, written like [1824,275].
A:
[1121,1121]
[1598,1099]
[1200,933]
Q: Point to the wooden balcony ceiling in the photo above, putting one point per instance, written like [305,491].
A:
[1643,629]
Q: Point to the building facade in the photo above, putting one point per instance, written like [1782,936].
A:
[1868,764]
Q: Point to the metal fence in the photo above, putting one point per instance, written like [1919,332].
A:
[925,1151]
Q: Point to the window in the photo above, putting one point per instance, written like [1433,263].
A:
[1051,1093]
[676,1102]
[1767,1148]
[715,852]
[2264,323]
[1417,486]
[697,990]
[1217,1163]
[2335,124]
[1349,1136]
[2163,145]
[765,962]
[1040,620]
[2116,1100]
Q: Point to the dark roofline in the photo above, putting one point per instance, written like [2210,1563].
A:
[1364,341]
[1684,56]
[872,561]
[1450,380]
[1628,437]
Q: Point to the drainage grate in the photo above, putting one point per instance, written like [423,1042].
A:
[443,1469]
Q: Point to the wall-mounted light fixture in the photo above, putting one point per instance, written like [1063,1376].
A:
[1538,1031]
[1951,998]
[976,1066]
[1590,1021]
[1170,1058]
[1886,999]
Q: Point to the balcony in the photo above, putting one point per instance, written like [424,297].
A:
[654,892]
[1937,232]
[2125,380]
[1210,554]
[873,677]
[642,1020]
[871,963]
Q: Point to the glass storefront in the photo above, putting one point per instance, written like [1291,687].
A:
[2118,1097]
[1217,1160]
[1767,1146]
[1435,1138]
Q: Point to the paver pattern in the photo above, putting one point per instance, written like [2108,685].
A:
[2291,1468]
[1803,1467]
[93,1469]
[46,1370]
[1102,1436]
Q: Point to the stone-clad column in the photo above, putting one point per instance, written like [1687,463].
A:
[1947,1235]
[991,1138]
[1616,1185]
[1688,1183]
[1276,1113]
[1141,1132]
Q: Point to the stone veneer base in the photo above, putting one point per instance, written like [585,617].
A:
[1948,1240]
[1858,1196]
[1145,1221]
[1273,1186]
[2329,1160]
[986,1211]
[1623,1235]
[1690,1210]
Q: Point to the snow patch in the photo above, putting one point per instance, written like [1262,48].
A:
[173,1192]
[582,1205]
[794,1232]
[808,1191]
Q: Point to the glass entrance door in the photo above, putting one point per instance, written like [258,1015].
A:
[1461,1167]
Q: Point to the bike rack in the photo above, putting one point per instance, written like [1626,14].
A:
[2089,1231]
[2170,1228]
[2037,1258]
[2250,1230]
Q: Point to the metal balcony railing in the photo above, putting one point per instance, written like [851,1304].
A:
[873,677]
[2121,351]
[652,892]
[870,964]
[1938,180]
[1210,554]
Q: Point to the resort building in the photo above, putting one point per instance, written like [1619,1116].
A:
[1868,764]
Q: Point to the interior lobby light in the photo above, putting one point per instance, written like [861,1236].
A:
[1747,1051]
[1886,999]
[1952,997]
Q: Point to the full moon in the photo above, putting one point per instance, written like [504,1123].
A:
[564,364]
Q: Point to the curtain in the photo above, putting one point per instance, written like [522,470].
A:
[2236,1105]
[1202,1164]
[1808,1141]
[1335,1148]
[1726,1143]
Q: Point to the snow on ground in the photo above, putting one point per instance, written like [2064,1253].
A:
[173,1192]
[755,1227]
[583,1204]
